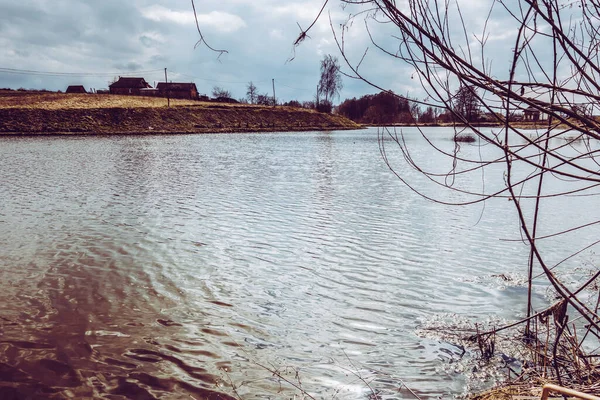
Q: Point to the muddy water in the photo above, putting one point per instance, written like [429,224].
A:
[177,266]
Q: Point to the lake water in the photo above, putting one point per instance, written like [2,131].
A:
[196,265]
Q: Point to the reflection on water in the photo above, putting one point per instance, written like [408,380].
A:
[178,266]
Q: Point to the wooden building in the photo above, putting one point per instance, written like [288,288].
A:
[149,92]
[531,114]
[75,89]
[128,86]
[177,90]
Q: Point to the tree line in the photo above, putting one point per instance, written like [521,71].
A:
[388,108]
[382,108]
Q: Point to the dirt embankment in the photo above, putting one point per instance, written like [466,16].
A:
[51,113]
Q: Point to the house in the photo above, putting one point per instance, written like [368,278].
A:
[531,114]
[128,86]
[177,90]
[75,89]
[149,92]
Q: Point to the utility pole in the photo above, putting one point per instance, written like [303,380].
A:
[274,98]
[167,89]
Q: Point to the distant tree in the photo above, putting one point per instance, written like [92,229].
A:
[348,108]
[382,108]
[446,117]
[218,91]
[251,92]
[415,111]
[330,83]
[428,116]
[308,104]
[466,103]
[582,110]
[293,103]
[265,100]
[324,106]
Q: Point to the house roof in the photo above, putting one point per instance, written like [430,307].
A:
[176,86]
[531,109]
[134,83]
[76,88]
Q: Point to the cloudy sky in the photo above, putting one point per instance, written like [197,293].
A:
[100,39]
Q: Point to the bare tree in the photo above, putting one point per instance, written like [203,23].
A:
[251,92]
[330,83]
[265,99]
[218,91]
[202,40]
[466,103]
[553,69]
[428,116]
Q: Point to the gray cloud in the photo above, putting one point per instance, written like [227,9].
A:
[130,66]
[113,36]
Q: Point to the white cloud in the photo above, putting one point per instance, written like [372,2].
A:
[221,21]
[504,36]
[302,11]
[276,34]
[163,14]
[150,39]
[107,35]
[216,20]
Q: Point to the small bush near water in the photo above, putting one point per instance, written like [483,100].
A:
[465,138]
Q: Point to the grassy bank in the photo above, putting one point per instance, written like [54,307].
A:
[56,113]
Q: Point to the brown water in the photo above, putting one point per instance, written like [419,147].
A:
[193,266]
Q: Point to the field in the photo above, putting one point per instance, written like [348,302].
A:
[61,101]
[57,113]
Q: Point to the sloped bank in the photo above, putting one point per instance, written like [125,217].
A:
[179,119]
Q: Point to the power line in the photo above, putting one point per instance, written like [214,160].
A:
[293,88]
[124,73]
[239,82]
[216,80]
[74,74]
[17,71]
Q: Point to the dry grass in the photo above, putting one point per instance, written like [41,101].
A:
[62,101]
[524,391]
[56,113]
[513,391]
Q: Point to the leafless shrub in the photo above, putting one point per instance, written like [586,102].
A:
[552,72]
[465,138]
[552,78]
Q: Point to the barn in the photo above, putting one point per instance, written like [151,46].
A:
[531,114]
[128,86]
[75,89]
[177,90]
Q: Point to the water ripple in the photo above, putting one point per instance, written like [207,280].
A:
[185,265]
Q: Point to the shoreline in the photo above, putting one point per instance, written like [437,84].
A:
[173,132]
[29,114]
[517,125]
[59,114]
[175,120]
